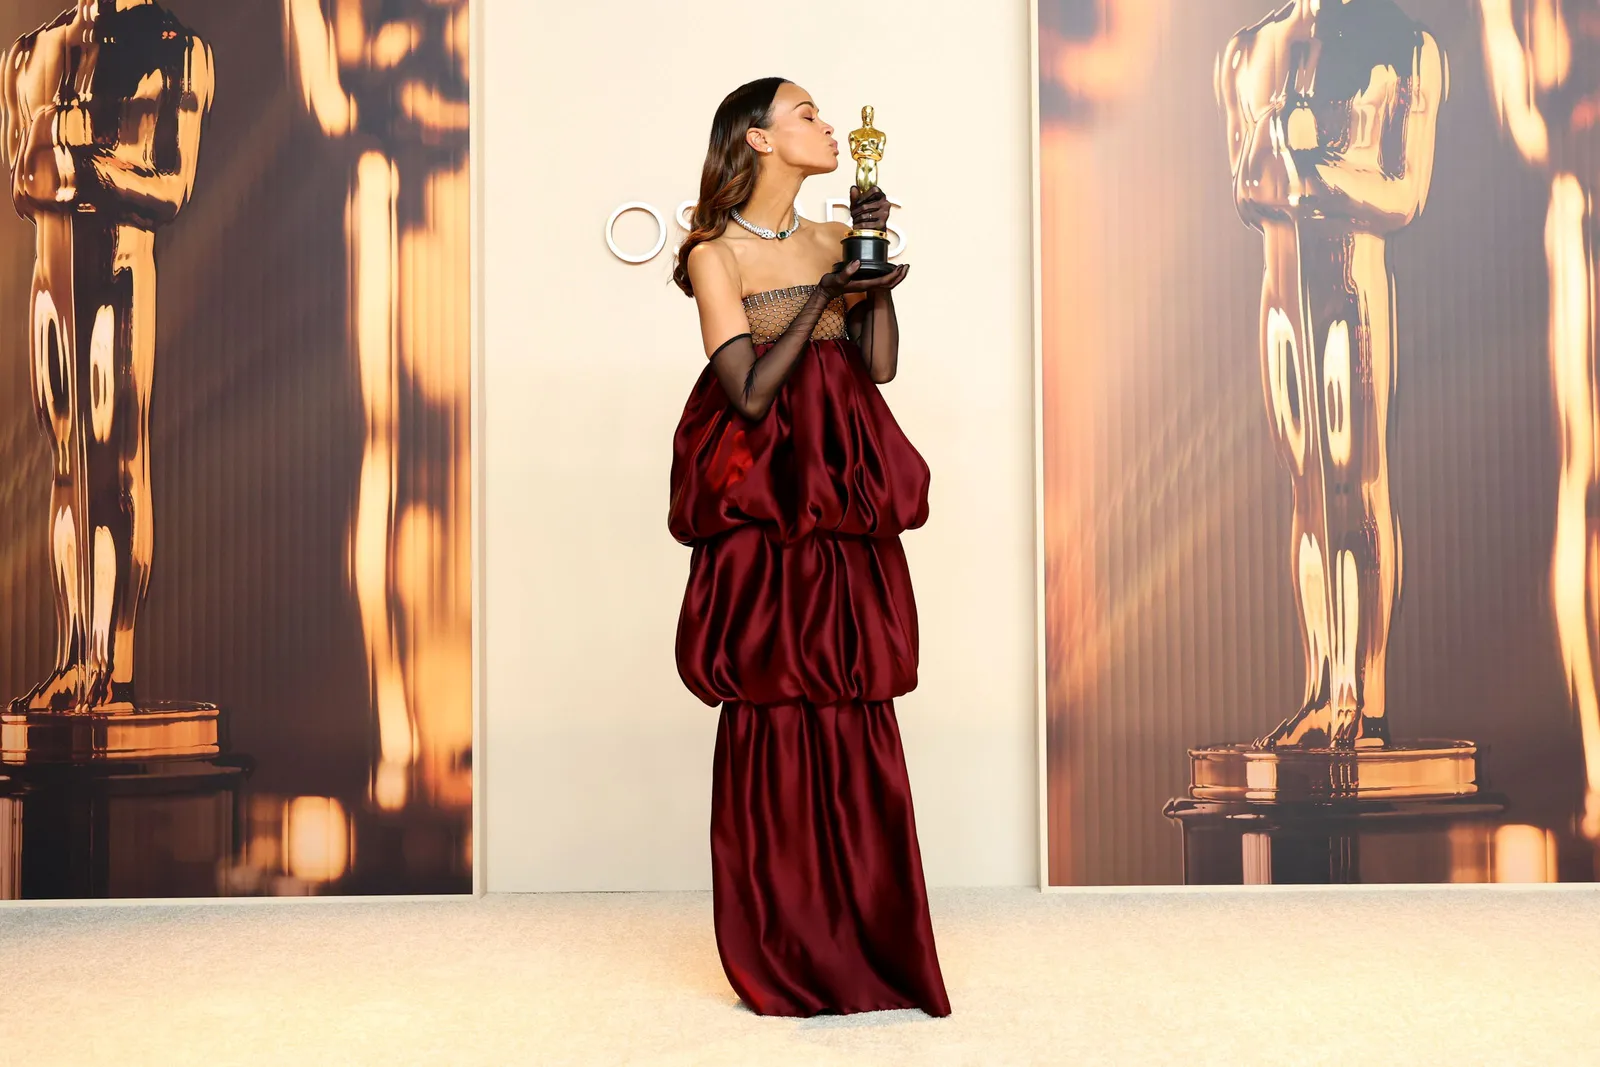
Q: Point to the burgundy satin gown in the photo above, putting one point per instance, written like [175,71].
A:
[800,621]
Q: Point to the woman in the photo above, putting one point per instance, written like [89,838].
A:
[792,481]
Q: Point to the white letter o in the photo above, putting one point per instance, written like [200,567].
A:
[661,232]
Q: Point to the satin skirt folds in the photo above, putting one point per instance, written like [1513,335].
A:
[818,889]
[799,620]
[798,587]
[824,619]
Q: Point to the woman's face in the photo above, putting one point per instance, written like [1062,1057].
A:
[797,135]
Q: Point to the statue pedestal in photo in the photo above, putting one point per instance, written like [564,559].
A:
[1404,813]
[160,731]
[107,804]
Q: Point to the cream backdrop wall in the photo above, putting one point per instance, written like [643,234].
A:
[598,761]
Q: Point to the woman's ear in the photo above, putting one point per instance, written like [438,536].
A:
[756,138]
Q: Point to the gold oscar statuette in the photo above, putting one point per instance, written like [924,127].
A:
[101,116]
[76,107]
[868,247]
[1326,192]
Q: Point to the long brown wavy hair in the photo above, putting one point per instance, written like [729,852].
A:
[729,175]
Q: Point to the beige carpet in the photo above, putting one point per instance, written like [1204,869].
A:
[1509,977]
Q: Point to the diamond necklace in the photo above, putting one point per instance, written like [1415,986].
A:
[762,231]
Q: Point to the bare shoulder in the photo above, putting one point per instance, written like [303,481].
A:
[833,231]
[713,267]
[711,255]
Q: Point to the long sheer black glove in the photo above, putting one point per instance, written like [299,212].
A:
[872,321]
[752,382]
[875,329]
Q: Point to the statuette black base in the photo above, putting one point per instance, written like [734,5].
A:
[872,252]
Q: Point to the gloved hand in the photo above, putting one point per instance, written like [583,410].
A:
[844,281]
[869,210]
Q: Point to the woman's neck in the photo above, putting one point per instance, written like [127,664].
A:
[772,204]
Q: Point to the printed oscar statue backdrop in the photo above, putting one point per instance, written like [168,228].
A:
[235,656]
[1320,437]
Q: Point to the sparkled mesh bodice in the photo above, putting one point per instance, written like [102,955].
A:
[770,313]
